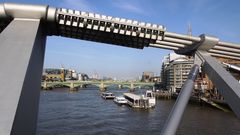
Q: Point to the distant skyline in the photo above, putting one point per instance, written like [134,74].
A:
[214,17]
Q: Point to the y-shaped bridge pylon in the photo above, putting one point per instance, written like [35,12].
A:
[226,84]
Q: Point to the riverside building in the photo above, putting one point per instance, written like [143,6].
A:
[175,69]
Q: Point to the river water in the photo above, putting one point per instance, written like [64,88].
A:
[85,113]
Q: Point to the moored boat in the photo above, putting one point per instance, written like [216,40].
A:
[141,101]
[120,100]
[107,95]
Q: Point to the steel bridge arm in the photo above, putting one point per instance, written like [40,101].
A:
[176,114]
[224,81]
[226,84]
[21,53]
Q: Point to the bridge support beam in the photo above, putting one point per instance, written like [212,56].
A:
[21,56]
[226,84]
[175,116]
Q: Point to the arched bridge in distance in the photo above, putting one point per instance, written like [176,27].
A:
[102,85]
[24,29]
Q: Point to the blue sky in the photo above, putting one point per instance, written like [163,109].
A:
[220,18]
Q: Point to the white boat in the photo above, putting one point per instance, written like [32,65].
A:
[107,95]
[144,101]
[120,100]
[151,98]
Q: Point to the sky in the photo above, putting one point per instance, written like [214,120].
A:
[220,18]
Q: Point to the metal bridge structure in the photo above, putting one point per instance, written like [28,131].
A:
[24,29]
[102,85]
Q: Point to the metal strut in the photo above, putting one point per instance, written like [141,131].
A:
[227,85]
[21,53]
[175,116]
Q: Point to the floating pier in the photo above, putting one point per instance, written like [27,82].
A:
[210,102]
[163,95]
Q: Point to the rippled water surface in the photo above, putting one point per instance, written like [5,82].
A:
[85,113]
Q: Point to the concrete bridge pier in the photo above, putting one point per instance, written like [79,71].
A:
[132,88]
[45,86]
[83,86]
[120,86]
[102,87]
[72,88]
[154,88]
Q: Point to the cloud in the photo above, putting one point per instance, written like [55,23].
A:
[205,5]
[130,7]
[83,5]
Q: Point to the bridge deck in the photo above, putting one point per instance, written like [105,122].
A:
[111,30]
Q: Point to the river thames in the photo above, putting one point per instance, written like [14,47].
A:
[85,113]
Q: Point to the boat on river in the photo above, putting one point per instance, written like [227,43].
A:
[120,100]
[107,95]
[141,101]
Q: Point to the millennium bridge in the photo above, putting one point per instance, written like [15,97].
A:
[102,85]
[24,29]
